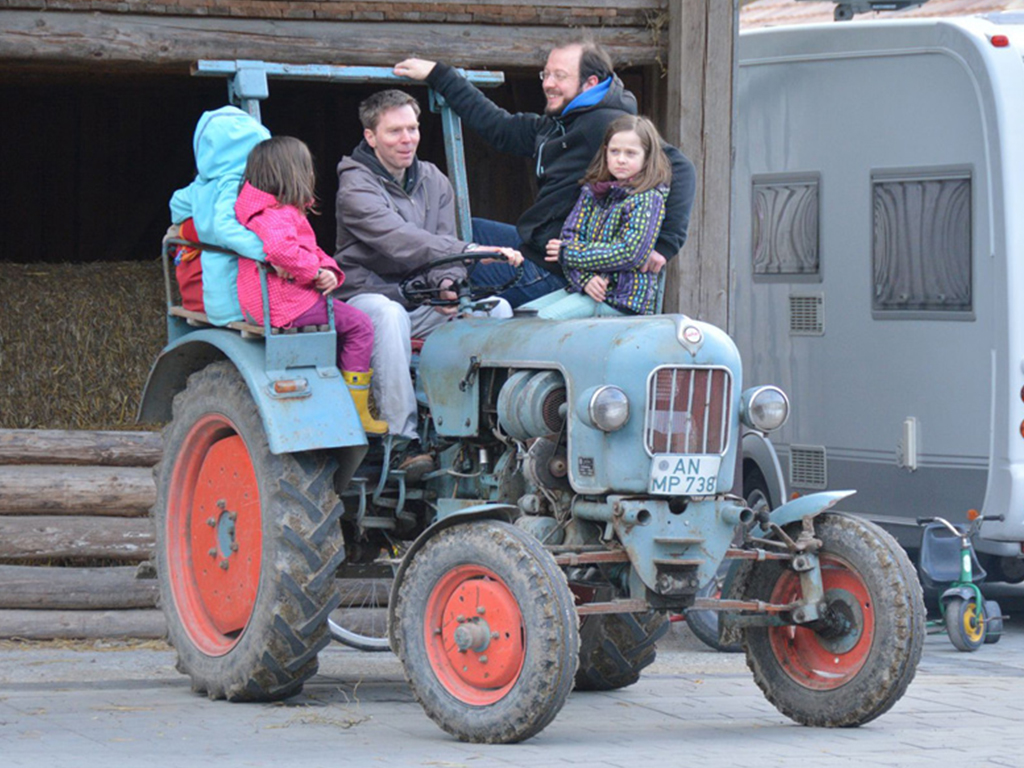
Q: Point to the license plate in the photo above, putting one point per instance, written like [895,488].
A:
[681,474]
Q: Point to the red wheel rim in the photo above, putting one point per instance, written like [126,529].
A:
[214,534]
[475,635]
[809,659]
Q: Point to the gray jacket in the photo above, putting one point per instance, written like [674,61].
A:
[385,231]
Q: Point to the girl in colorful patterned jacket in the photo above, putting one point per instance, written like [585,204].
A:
[275,199]
[607,238]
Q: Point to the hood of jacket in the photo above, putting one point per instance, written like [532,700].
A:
[608,94]
[252,202]
[364,154]
[223,140]
[590,96]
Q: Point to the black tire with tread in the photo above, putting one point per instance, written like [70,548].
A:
[955,617]
[548,611]
[898,610]
[705,624]
[302,548]
[615,647]
[993,622]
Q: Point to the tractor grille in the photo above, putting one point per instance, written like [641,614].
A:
[688,411]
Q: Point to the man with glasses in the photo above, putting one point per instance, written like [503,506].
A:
[583,95]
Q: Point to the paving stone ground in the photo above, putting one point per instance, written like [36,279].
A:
[88,707]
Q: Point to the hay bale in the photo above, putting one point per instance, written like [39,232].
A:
[77,342]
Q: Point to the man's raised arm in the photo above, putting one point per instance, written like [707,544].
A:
[414,69]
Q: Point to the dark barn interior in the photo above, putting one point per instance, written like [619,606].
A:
[89,163]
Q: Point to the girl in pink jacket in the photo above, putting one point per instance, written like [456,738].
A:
[276,196]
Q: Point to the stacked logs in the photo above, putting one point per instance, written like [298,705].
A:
[70,500]
[76,539]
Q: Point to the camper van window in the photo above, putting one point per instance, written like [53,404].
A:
[785,227]
[921,254]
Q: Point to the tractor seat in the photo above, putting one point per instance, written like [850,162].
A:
[248,330]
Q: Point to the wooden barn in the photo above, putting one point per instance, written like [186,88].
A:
[98,113]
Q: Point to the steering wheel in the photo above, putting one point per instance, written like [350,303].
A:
[416,287]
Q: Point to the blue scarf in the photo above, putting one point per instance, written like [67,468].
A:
[589,97]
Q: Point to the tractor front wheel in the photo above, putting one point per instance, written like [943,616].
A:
[854,665]
[486,629]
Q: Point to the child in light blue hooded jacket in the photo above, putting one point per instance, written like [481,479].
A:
[222,142]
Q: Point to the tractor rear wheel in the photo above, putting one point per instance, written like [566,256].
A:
[247,543]
[615,647]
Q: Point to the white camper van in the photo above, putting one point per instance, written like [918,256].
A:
[878,264]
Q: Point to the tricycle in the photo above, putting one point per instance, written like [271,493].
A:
[947,562]
[586,486]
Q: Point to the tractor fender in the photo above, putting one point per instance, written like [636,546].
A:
[737,581]
[323,417]
[758,448]
[496,511]
[806,506]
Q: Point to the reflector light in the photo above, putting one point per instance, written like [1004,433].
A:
[972,514]
[999,41]
[287,386]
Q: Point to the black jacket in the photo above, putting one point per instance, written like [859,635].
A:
[562,147]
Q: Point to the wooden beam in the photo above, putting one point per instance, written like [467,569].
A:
[701,71]
[67,625]
[66,490]
[81,538]
[170,43]
[79,447]
[35,587]
[648,5]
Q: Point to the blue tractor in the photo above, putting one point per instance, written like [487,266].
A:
[584,490]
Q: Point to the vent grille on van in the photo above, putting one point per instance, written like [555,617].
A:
[807,315]
[807,466]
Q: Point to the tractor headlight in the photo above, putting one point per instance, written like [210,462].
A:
[608,409]
[764,408]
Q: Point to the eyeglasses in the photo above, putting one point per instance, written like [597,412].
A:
[558,75]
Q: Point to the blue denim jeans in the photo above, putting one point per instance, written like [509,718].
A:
[531,281]
[562,305]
